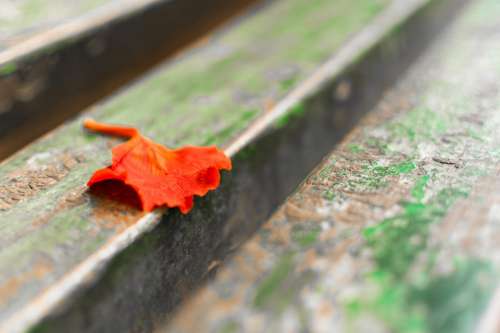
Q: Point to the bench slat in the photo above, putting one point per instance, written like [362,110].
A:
[58,57]
[397,229]
[51,227]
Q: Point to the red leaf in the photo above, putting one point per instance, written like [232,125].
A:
[159,175]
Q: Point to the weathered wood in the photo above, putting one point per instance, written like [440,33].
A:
[104,259]
[57,57]
[21,20]
[56,237]
[397,229]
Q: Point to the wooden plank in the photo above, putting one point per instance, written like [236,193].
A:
[81,261]
[397,229]
[21,20]
[58,57]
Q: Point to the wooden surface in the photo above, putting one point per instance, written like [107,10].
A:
[21,19]
[30,25]
[58,57]
[55,236]
[397,229]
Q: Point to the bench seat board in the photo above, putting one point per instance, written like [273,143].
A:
[49,224]
[22,19]
[58,57]
[397,229]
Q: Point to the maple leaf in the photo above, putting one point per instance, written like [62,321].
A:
[160,176]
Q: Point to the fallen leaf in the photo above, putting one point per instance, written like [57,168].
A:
[160,176]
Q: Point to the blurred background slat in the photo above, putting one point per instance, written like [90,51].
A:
[58,57]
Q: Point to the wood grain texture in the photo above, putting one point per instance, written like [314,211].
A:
[50,224]
[397,229]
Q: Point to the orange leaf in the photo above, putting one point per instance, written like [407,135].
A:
[159,175]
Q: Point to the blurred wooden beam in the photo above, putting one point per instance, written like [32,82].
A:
[51,70]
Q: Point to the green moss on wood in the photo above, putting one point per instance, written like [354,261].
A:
[196,99]
[355,148]
[8,69]
[205,97]
[449,303]
[305,235]
[269,288]
[375,176]
[396,241]
[420,123]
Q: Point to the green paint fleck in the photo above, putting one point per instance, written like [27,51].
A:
[325,172]
[420,123]
[329,194]
[354,148]
[394,170]
[374,176]
[417,191]
[407,231]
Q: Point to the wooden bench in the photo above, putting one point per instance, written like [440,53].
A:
[58,57]
[277,90]
[397,229]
